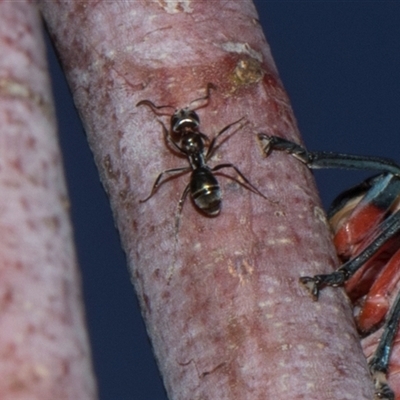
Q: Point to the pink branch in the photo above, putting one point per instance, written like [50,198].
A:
[44,347]
[221,298]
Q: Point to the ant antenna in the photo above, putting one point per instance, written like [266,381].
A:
[156,109]
[206,97]
[153,107]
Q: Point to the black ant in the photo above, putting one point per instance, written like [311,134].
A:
[185,137]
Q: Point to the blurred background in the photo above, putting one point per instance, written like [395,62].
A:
[340,64]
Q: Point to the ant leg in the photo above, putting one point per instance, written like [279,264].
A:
[153,107]
[379,363]
[181,202]
[322,159]
[157,182]
[177,225]
[168,141]
[211,147]
[252,187]
[389,228]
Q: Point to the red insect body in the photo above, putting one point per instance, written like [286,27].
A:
[353,225]
[377,302]
[373,287]
[366,224]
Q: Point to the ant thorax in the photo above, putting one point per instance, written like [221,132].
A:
[192,143]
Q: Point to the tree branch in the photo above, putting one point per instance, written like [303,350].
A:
[45,353]
[220,296]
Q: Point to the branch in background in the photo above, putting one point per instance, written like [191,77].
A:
[45,353]
[220,296]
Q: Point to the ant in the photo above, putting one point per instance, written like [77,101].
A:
[184,136]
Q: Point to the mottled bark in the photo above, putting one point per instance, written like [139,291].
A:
[221,298]
[43,345]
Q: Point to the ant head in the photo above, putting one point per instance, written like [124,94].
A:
[184,118]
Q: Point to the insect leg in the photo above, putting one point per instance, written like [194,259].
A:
[158,182]
[211,147]
[379,363]
[252,187]
[389,227]
[322,159]
[180,205]
[168,141]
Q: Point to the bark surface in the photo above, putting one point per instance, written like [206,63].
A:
[221,297]
[44,351]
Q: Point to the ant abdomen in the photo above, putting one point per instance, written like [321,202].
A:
[205,191]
